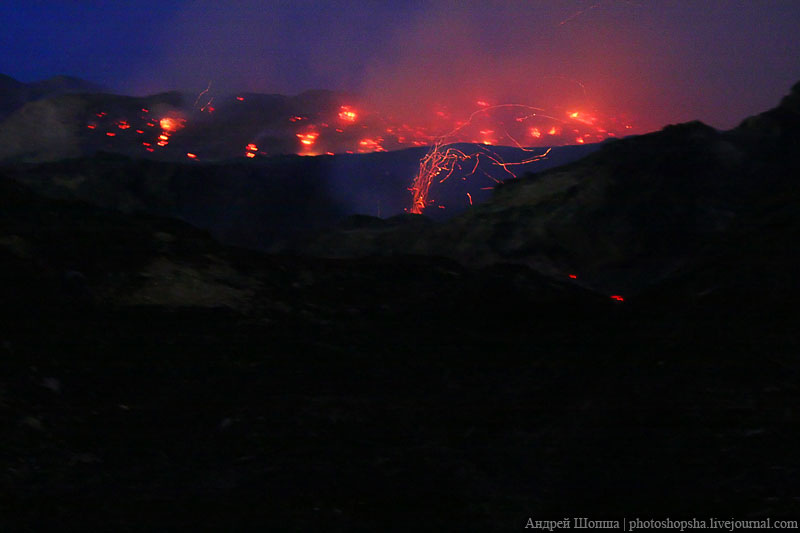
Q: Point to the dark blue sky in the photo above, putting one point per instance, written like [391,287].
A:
[658,61]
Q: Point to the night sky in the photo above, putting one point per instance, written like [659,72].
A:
[657,62]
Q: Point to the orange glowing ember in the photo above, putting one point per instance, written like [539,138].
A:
[252,147]
[371,145]
[110,134]
[250,154]
[191,155]
[617,297]
[308,139]
[170,124]
[347,114]
[535,133]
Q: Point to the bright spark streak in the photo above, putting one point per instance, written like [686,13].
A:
[444,159]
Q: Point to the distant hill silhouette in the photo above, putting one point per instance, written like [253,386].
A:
[15,94]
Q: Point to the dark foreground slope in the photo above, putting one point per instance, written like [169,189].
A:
[154,379]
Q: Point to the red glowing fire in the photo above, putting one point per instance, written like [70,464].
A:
[354,128]
[347,114]
[171,124]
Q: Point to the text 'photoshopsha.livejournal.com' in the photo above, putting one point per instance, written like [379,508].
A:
[640,524]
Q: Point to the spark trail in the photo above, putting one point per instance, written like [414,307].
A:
[445,159]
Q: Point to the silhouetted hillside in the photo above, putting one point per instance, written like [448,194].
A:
[15,94]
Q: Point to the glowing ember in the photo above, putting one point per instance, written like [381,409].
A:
[250,154]
[191,155]
[573,276]
[371,145]
[111,134]
[252,147]
[347,114]
[308,139]
[617,297]
[171,124]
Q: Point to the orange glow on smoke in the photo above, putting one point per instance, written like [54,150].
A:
[535,133]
